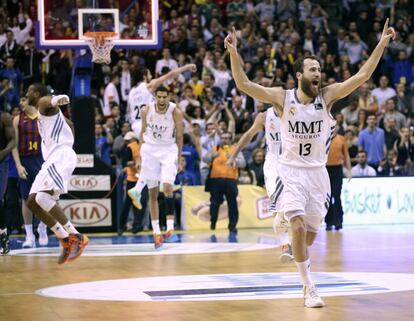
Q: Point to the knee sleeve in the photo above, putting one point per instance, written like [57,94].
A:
[169,206]
[45,201]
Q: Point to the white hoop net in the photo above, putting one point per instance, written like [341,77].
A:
[101,44]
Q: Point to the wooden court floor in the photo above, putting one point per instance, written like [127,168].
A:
[383,249]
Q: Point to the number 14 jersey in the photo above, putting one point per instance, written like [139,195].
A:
[306,130]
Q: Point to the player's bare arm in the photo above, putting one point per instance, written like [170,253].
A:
[247,137]
[20,168]
[337,91]
[49,106]
[7,121]
[179,131]
[155,83]
[270,95]
[144,112]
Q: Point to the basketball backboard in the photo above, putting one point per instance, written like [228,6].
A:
[62,23]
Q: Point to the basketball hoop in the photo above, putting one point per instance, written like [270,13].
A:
[101,44]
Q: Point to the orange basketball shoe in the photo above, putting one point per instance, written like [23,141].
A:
[171,237]
[158,241]
[66,244]
[79,242]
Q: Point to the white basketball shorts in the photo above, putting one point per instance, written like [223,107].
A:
[306,191]
[273,182]
[159,162]
[56,172]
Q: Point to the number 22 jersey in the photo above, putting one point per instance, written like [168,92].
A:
[306,130]
[139,97]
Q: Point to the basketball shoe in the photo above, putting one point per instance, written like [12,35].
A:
[43,238]
[66,248]
[29,242]
[312,298]
[4,243]
[158,241]
[136,197]
[287,254]
[78,243]
[171,237]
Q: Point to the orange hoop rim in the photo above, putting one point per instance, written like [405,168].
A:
[100,35]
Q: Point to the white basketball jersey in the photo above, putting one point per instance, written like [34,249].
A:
[139,96]
[272,133]
[55,132]
[306,132]
[160,127]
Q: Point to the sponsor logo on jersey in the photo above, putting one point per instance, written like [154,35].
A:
[158,128]
[275,136]
[301,127]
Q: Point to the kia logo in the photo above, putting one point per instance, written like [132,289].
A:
[88,182]
[86,213]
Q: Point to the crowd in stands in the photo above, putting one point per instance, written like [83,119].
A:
[377,119]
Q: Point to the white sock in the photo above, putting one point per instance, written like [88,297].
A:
[304,271]
[29,230]
[70,228]
[140,185]
[3,231]
[170,225]
[42,228]
[59,231]
[285,239]
[156,226]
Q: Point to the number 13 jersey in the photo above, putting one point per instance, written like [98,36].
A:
[306,132]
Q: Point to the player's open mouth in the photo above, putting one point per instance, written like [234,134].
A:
[315,82]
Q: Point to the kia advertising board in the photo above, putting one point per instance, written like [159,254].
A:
[90,183]
[88,212]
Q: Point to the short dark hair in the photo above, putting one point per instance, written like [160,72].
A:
[186,139]
[40,88]
[165,70]
[298,65]
[161,88]
[139,75]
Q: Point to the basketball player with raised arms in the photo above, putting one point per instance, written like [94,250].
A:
[52,180]
[161,146]
[270,122]
[141,95]
[306,128]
